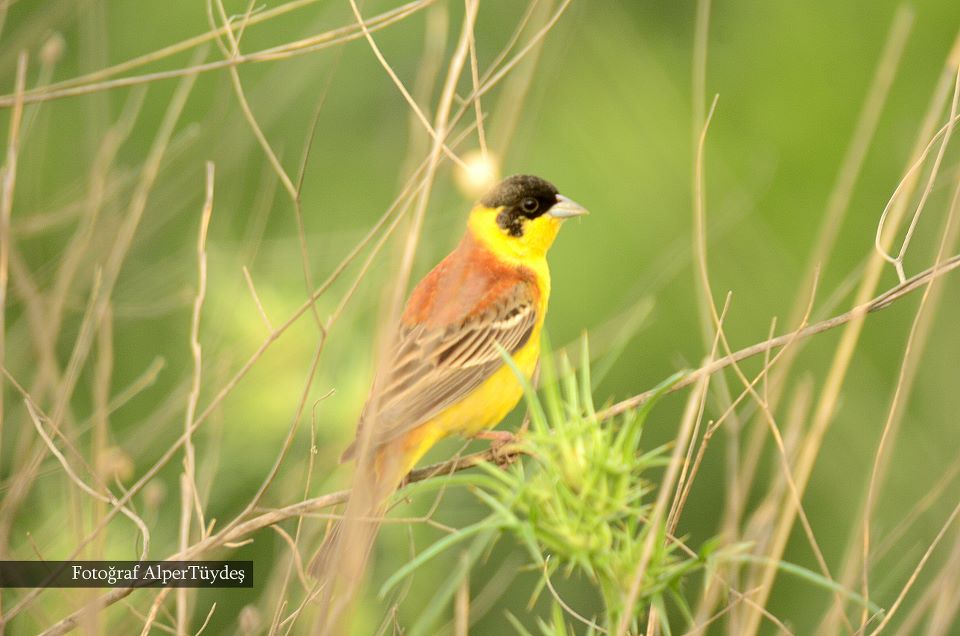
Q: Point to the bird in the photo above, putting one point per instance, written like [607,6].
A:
[445,373]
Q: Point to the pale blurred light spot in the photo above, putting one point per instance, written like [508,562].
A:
[478,174]
[52,49]
[115,463]
[250,620]
[154,494]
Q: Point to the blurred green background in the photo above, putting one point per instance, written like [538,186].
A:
[607,116]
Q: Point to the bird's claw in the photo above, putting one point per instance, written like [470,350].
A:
[498,446]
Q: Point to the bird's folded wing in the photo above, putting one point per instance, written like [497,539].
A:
[433,368]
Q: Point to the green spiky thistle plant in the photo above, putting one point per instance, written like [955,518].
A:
[580,504]
[580,501]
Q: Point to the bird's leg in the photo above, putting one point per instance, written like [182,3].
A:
[498,442]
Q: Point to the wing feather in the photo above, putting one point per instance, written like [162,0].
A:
[433,368]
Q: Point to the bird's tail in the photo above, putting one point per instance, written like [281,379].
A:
[323,559]
[349,540]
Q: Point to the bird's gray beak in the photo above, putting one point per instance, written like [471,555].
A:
[565,208]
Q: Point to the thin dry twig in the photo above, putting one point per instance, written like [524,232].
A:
[151,615]
[945,132]
[206,621]
[109,498]
[435,132]
[173,49]
[297,561]
[879,303]
[256,299]
[685,482]
[94,313]
[284,51]
[188,482]
[838,202]
[534,41]
[916,572]
[782,450]
[233,53]
[475,76]
[245,528]
[660,507]
[566,608]
[8,180]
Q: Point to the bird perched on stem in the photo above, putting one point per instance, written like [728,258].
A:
[445,373]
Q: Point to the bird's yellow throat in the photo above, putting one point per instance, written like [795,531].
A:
[528,250]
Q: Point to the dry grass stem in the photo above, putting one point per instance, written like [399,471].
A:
[916,572]
[293,49]
[663,497]
[878,303]
[190,496]
[110,499]
[93,315]
[256,299]
[913,350]
[8,180]
[945,132]
[435,132]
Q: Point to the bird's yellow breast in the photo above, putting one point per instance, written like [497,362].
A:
[488,404]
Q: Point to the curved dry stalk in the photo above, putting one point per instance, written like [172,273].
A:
[771,422]
[103,161]
[566,608]
[475,77]
[99,300]
[516,59]
[660,512]
[945,132]
[135,518]
[838,202]
[293,191]
[154,610]
[685,483]
[206,621]
[190,499]
[295,554]
[256,299]
[436,133]
[8,180]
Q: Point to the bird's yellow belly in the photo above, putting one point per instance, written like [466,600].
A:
[482,409]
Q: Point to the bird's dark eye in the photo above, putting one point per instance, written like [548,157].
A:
[530,204]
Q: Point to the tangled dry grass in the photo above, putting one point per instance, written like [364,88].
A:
[62,364]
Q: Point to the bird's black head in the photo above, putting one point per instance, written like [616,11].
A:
[520,217]
[522,197]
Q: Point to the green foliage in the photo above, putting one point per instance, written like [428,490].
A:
[580,504]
